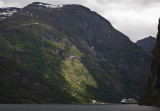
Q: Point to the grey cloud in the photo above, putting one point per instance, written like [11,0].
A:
[145,2]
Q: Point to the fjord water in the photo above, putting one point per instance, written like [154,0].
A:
[67,107]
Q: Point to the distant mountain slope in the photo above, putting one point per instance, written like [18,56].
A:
[152,96]
[76,52]
[147,44]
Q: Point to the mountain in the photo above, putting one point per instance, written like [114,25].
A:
[67,54]
[152,96]
[6,12]
[147,44]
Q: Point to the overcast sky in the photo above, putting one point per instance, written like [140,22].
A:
[135,18]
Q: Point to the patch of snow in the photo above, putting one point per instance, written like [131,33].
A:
[51,6]
[3,17]
[29,24]
[3,13]
[54,6]
[41,4]
[9,13]
[6,12]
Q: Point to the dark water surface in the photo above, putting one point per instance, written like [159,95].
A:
[69,107]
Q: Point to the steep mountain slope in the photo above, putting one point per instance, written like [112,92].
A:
[77,50]
[147,44]
[152,96]
[20,85]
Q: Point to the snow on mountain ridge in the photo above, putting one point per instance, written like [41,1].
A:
[51,6]
[8,11]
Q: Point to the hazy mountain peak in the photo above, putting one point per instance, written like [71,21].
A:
[147,44]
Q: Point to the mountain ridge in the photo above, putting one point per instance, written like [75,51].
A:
[147,44]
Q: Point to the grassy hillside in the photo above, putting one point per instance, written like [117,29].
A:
[48,60]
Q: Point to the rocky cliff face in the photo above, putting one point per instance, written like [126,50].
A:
[76,54]
[152,96]
[147,44]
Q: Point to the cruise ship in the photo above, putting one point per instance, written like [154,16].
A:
[129,101]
